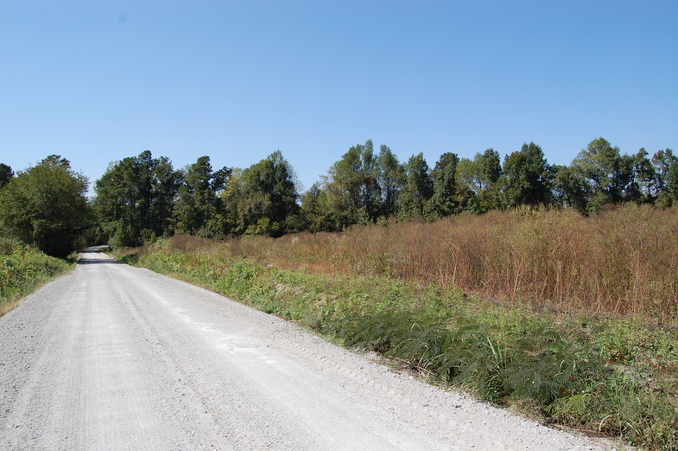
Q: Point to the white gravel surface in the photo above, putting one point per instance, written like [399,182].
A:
[111,357]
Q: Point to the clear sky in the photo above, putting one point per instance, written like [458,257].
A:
[98,81]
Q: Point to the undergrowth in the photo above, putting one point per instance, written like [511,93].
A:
[22,269]
[603,375]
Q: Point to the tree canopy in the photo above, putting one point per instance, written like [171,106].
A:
[135,199]
[141,198]
[198,203]
[263,199]
[46,205]
[527,177]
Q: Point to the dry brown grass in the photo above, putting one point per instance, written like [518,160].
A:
[624,261]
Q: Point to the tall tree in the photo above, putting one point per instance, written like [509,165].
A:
[527,177]
[444,201]
[352,186]
[391,179]
[672,182]
[645,177]
[489,171]
[569,188]
[477,181]
[6,174]
[46,206]
[316,213]
[418,188]
[267,197]
[198,197]
[165,187]
[665,165]
[134,199]
[608,176]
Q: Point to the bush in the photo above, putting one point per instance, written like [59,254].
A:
[22,268]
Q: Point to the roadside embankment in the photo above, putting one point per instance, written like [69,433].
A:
[22,269]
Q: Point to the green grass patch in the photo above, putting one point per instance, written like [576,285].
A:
[604,375]
[22,270]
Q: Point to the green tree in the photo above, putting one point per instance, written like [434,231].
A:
[645,177]
[316,213]
[596,164]
[672,182]
[391,179]
[46,206]
[267,197]
[489,169]
[198,202]
[569,188]
[164,187]
[665,165]
[353,188]
[477,182]
[6,174]
[526,177]
[418,188]
[135,199]
[662,161]
[445,200]
[608,177]
[467,188]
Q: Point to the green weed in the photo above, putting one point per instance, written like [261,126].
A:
[22,268]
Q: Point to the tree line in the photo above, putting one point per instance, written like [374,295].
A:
[141,198]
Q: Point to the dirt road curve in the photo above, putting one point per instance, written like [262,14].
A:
[112,357]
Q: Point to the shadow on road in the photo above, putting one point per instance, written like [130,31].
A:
[95,249]
[92,256]
[86,261]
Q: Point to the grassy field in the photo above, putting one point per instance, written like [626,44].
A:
[606,365]
[622,262]
[22,269]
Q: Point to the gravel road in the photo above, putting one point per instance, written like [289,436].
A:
[111,357]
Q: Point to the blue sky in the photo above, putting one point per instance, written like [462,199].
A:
[98,81]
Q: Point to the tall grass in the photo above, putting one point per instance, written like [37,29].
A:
[22,268]
[622,262]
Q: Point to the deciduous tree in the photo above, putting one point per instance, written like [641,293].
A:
[477,182]
[46,206]
[610,177]
[135,199]
[267,197]
[198,200]
[526,177]
[391,179]
[666,176]
[352,186]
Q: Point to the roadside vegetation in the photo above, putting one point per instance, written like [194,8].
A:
[603,367]
[549,289]
[22,269]
[623,261]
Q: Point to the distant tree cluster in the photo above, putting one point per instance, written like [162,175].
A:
[141,198]
[364,187]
